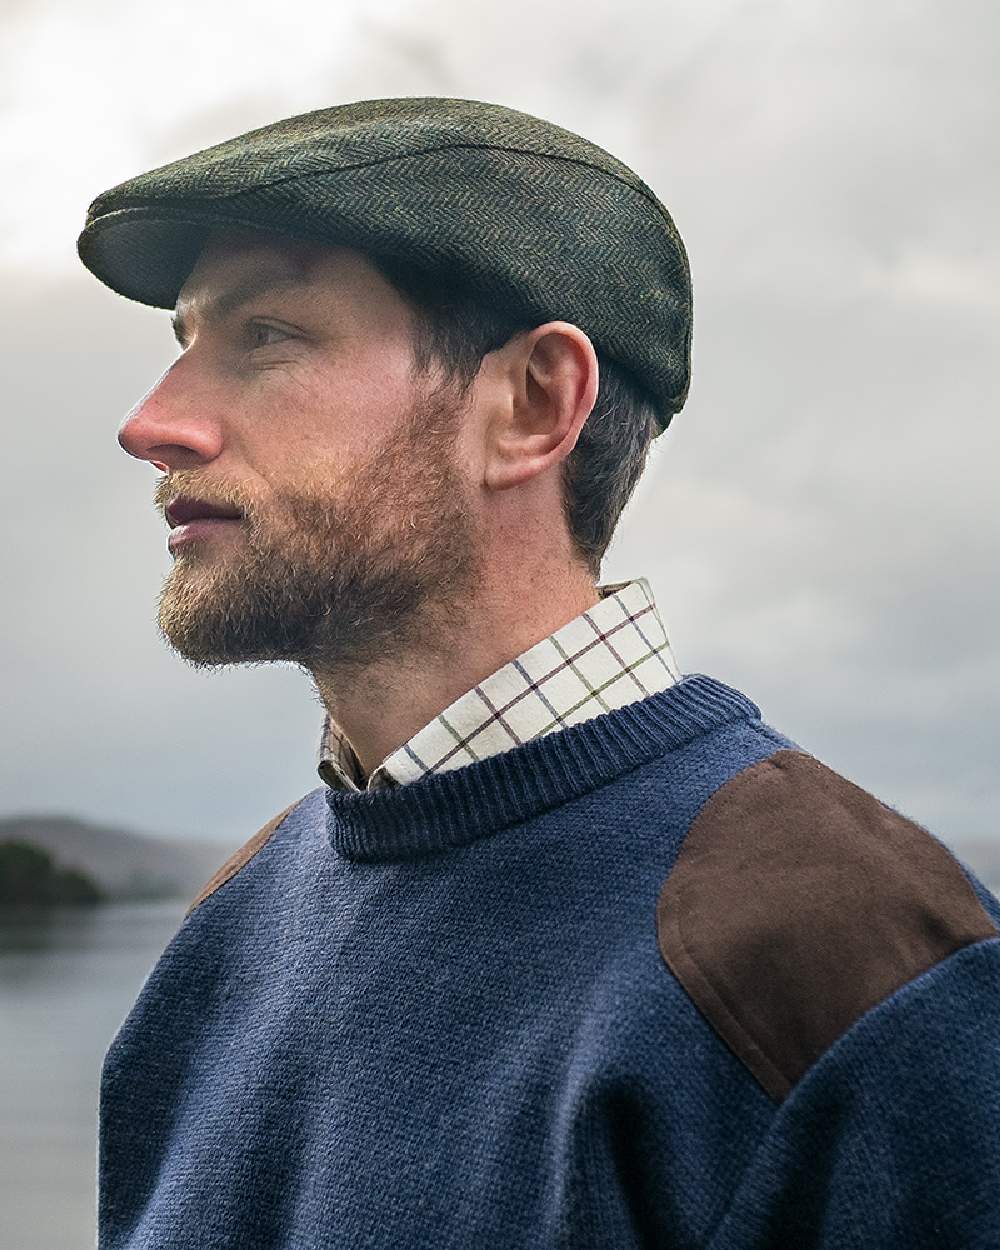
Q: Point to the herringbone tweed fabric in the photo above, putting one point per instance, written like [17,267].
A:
[517,208]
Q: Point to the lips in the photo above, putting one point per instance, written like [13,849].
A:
[184,509]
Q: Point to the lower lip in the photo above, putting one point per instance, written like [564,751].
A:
[202,528]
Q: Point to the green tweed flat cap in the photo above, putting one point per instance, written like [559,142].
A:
[514,207]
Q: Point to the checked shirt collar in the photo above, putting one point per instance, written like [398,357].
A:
[615,653]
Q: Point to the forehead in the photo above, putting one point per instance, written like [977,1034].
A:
[233,252]
[237,265]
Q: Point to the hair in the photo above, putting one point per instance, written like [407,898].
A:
[455,327]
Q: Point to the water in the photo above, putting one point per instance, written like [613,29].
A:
[67,980]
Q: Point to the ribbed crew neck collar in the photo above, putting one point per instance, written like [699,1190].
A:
[459,806]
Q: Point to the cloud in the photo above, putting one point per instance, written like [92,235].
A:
[819,523]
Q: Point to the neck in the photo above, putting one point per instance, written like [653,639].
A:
[383,705]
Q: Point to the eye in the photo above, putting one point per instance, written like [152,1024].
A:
[255,328]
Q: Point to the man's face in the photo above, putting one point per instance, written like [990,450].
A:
[301,409]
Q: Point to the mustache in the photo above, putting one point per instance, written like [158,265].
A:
[217,496]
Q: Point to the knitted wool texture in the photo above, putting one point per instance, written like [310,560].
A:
[436,1016]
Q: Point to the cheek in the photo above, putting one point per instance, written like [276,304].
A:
[367,401]
[333,411]
[323,450]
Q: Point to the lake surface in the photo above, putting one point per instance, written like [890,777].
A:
[67,981]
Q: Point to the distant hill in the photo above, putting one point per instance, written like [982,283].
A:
[128,865]
[125,865]
[29,877]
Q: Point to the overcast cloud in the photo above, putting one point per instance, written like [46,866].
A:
[819,524]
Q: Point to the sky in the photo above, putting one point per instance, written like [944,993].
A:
[819,524]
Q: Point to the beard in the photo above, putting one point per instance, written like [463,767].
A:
[337,580]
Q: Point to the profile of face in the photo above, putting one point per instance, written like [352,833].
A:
[300,407]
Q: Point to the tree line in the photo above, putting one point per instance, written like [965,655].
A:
[29,875]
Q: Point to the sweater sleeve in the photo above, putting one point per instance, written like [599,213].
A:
[892,1138]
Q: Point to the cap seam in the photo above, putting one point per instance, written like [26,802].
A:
[645,191]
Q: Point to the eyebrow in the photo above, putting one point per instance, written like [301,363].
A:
[225,304]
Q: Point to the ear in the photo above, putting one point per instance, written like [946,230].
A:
[552,375]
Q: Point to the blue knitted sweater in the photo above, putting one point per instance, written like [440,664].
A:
[660,979]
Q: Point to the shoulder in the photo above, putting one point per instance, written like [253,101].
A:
[241,856]
[797,902]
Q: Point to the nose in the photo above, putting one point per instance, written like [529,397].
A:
[172,425]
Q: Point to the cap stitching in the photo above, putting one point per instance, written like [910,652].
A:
[642,188]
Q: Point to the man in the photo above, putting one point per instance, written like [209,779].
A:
[567,950]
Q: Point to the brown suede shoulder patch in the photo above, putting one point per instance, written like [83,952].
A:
[238,858]
[797,902]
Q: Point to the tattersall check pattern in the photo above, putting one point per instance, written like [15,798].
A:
[615,653]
